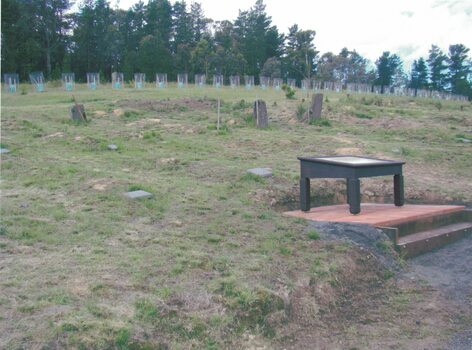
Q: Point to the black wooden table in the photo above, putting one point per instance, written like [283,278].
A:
[351,168]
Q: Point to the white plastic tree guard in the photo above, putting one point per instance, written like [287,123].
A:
[316,85]
[277,83]
[218,81]
[264,82]
[292,83]
[12,80]
[306,84]
[93,80]
[139,80]
[234,81]
[161,80]
[37,80]
[182,80]
[200,80]
[68,81]
[249,81]
[117,80]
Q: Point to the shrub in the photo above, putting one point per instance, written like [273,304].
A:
[313,234]
[301,110]
[289,91]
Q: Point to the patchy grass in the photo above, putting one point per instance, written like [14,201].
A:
[209,261]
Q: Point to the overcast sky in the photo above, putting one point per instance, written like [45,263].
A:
[405,27]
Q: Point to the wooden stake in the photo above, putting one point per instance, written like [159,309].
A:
[308,110]
[218,123]
[257,112]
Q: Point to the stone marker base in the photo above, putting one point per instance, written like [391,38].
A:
[138,194]
[264,172]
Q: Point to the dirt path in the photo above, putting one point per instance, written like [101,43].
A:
[449,270]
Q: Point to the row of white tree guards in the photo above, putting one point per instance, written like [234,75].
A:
[93,81]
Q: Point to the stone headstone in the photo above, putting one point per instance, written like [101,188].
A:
[138,194]
[316,106]
[264,172]
[260,114]
[77,113]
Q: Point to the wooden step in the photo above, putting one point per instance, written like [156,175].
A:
[424,241]
[432,222]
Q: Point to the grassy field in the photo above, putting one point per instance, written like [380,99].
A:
[209,261]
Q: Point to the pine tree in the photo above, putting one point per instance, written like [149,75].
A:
[459,69]
[159,20]
[419,75]
[257,38]
[199,22]
[437,68]
[388,66]
[300,56]
[183,33]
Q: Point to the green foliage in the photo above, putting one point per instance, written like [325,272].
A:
[419,75]
[301,111]
[387,66]
[362,115]
[320,122]
[146,310]
[289,91]
[313,234]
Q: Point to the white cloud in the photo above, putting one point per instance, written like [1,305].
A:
[368,26]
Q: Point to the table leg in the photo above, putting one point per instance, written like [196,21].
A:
[354,195]
[347,191]
[398,194]
[305,194]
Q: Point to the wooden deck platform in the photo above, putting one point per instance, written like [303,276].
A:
[379,215]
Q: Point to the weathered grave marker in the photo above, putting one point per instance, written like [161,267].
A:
[77,112]
[260,114]
[315,108]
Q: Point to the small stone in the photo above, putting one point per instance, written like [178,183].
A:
[112,147]
[465,140]
[264,172]
[4,150]
[138,194]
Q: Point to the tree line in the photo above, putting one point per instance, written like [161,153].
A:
[45,35]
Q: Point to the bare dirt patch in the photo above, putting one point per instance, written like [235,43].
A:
[183,104]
